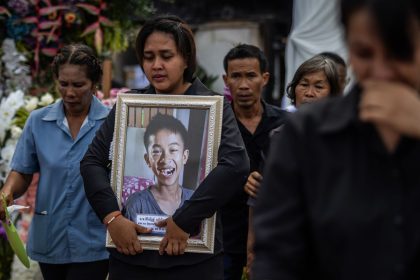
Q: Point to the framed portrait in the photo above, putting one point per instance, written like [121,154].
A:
[164,146]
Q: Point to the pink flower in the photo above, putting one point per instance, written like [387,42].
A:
[99,94]
[115,91]
[227,94]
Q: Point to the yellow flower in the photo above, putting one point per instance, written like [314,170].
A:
[70,17]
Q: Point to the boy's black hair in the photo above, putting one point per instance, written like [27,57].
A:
[162,121]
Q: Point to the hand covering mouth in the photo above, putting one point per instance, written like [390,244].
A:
[166,171]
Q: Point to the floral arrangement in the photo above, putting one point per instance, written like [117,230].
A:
[112,99]
[14,110]
[41,27]
[14,69]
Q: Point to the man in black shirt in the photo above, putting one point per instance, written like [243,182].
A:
[246,75]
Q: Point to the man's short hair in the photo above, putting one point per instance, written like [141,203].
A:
[242,51]
[162,121]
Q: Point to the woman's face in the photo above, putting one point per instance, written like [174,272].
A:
[75,88]
[312,87]
[370,59]
[163,64]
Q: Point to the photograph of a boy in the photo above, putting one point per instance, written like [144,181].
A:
[165,140]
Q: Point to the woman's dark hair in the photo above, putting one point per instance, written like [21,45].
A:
[78,54]
[394,21]
[246,51]
[160,122]
[182,35]
[312,65]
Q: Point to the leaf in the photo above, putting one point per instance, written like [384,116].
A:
[30,20]
[51,35]
[34,32]
[90,29]
[98,40]
[22,113]
[48,10]
[89,8]
[49,51]
[49,24]
[105,21]
[3,10]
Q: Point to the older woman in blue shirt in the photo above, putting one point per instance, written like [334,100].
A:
[65,237]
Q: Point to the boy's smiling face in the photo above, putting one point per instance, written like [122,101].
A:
[166,156]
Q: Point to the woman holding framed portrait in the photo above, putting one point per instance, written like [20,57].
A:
[166,51]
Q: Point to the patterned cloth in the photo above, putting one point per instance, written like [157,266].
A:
[134,184]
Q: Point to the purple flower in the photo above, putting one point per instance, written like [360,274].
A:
[21,7]
[2,231]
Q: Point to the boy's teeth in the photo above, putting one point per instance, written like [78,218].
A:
[167,171]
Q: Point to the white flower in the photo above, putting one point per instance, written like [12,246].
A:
[6,115]
[16,71]
[31,103]
[8,151]
[3,128]
[14,101]
[46,99]
[15,131]
[8,108]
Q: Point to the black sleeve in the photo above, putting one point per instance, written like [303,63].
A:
[279,217]
[221,184]
[95,169]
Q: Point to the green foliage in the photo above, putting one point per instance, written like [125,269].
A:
[21,116]
[206,79]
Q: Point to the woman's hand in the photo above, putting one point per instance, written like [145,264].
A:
[253,184]
[393,108]
[175,240]
[392,105]
[16,184]
[124,234]
[7,195]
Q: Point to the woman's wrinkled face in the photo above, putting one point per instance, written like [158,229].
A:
[371,60]
[311,87]
[163,65]
[75,87]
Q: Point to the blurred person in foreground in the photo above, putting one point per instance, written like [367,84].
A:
[341,189]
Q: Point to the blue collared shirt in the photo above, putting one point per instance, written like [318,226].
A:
[64,228]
